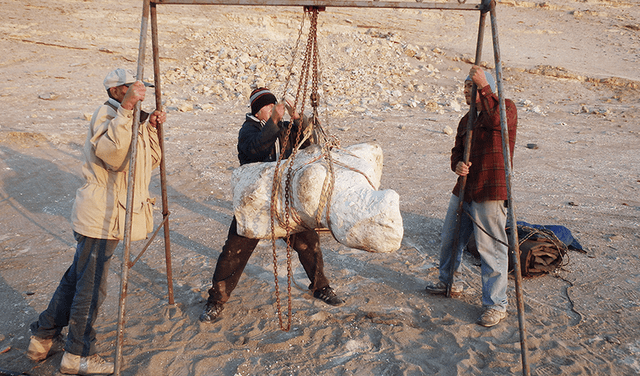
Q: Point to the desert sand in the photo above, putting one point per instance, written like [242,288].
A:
[391,77]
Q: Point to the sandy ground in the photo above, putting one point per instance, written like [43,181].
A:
[570,66]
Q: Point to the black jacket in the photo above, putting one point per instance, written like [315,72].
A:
[257,142]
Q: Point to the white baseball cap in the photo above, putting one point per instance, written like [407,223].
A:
[121,76]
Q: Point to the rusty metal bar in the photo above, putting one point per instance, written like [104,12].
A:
[146,246]
[466,155]
[163,169]
[124,280]
[506,152]
[452,5]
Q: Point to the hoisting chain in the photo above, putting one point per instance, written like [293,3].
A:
[294,54]
[310,62]
[327,144]
[287,196]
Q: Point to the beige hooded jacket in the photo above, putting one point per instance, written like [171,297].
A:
[100,206]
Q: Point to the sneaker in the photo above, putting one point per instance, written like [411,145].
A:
[211,312]
[40,348]
[491,317]
[441,288]
[89,365]
[327,295]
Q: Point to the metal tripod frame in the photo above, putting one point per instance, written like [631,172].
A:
[149,10]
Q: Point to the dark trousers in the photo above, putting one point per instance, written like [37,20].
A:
[238,249]
[78,297]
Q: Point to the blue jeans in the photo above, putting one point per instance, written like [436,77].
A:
[492,216]
[78,297]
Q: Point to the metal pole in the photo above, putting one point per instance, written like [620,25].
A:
[506,152]
[163,171]
[130,189]
[450,5]
[466,155]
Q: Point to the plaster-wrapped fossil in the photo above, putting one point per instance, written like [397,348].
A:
[360,216]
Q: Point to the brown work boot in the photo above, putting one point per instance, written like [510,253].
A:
[89,365]
[40,348]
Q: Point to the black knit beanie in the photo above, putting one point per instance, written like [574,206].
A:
[261,97]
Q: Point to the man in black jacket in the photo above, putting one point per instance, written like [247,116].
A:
[261,139]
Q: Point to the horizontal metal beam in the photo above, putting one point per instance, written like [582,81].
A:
[452,5]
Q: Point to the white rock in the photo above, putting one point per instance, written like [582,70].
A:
[48,96]
[455,106]
[538,110]
[360,216]
[244,58]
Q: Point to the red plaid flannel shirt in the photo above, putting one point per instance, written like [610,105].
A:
[486,179]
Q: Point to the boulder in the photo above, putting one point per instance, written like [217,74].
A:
[360,216]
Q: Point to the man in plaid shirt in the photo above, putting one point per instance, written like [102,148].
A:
[485,199]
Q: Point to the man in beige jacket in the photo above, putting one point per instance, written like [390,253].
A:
[98,219]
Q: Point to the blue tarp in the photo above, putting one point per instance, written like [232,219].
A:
[563,234]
